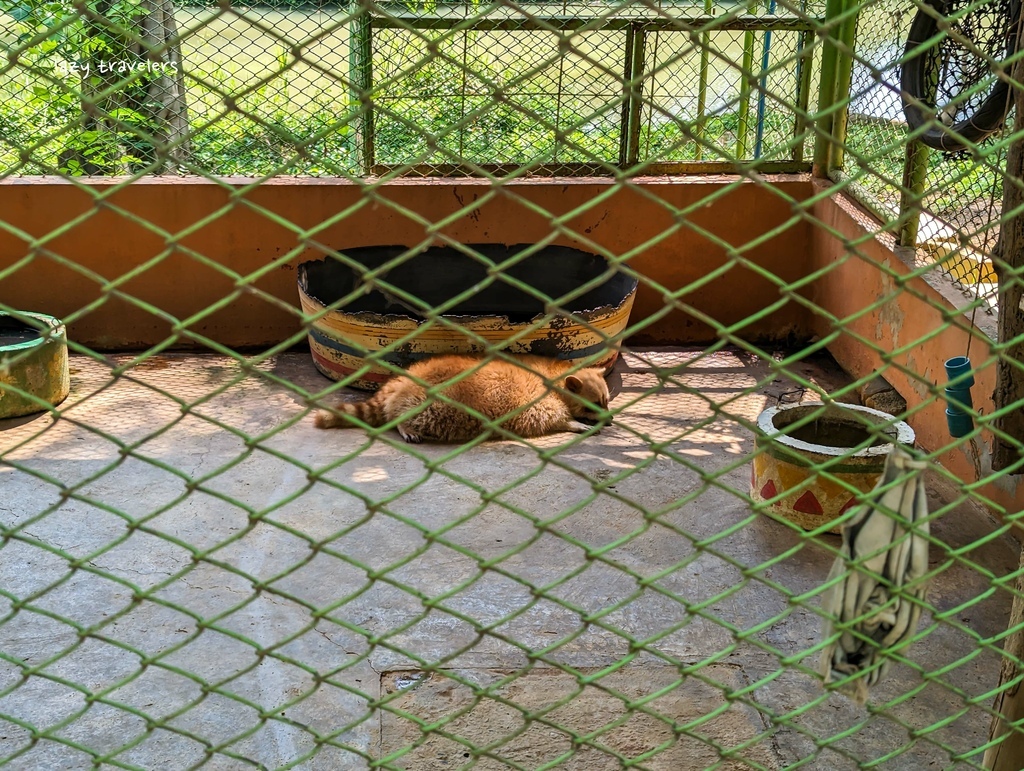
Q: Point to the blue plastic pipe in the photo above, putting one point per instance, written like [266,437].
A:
[958,396]
[766,48]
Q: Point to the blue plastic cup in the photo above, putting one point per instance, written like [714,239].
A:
[956,367]
[960,423]
[958,396]
[959,399]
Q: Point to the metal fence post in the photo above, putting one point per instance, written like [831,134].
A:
[702,87]
[915,176]
[743,124]
[360,74]
[804,70]
[828,94]
[633,68]
[844,77]
[766,47]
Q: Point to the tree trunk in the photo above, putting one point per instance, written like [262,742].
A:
[160,142]
[1008,755]
[165,96]
[1009,268]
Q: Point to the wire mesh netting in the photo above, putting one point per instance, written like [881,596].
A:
[263,83]
[724,117]
[681,537]
[952,199]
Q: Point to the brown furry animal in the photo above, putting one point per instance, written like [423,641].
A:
[494,389]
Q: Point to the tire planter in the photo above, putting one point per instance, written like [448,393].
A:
[341,339]
[786,461]
[33,363]
[980,119]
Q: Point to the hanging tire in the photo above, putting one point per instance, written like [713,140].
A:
[942,73]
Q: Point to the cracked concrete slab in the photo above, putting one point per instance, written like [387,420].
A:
[191,571]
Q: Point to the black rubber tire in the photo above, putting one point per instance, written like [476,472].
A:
[991,114]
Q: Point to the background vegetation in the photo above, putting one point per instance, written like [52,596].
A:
[292,116]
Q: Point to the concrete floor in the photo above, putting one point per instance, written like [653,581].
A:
[315,600]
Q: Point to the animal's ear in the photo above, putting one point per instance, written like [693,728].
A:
[573,384]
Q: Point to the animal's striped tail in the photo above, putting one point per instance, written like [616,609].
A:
[370,412]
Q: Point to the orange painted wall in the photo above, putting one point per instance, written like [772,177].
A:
[91,261]
[910,326]
[91,257]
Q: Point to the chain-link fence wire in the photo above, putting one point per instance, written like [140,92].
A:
[724,111]
[491,87]
[266,638]
[956,200]
[278,63]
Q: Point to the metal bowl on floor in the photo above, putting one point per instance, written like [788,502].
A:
[351,318]
[33,363]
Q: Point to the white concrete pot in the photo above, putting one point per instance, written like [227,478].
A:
[786,461]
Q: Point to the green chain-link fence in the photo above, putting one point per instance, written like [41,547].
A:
[949,203]
[192,575]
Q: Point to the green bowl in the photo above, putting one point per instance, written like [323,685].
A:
[33,363]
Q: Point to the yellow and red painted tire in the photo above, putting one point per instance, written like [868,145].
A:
[357,346]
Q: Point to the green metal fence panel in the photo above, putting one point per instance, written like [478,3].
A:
[946,202]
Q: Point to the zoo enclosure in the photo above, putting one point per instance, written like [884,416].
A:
[635,86]
[946,205]
[633,89]
[799,268]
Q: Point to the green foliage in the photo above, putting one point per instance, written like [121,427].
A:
[63,50]
[72,38]
[427,114]
[429,110]
[877,158]
[286,143]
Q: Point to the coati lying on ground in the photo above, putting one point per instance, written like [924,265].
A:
[494,389]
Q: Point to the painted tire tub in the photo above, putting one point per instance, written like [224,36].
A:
[785,461]
[341,338]
[33,362]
